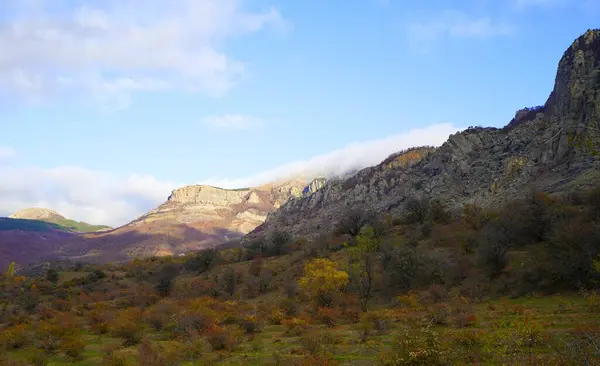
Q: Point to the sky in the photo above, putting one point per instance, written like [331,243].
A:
[108,105]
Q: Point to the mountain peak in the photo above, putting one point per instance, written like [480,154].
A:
[36,213]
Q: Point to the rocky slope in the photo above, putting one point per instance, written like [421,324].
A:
[47,215]
[553,148]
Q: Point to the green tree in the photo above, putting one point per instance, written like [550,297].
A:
[11,270]
[52,275]
[362,259]
[322,280]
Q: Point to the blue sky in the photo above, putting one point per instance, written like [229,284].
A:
[105,106]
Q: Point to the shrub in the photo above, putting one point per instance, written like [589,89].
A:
[202,261]
[319,342]
[328,316]
[73,347]
[352,221]
[14,337]
[251,324]
[227,338]
[374,321]
[128,325]
[415,348]
[295,326]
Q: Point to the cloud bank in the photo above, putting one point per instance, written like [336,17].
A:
[104,198]
[109,50]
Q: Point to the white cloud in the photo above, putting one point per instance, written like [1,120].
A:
[454,24]
[233,121]
[110,50]
[103,198]
[355,156]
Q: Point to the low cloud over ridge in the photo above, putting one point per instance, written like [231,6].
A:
[104,198]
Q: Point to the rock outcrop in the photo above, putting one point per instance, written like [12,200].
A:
[36,213]
[553,148]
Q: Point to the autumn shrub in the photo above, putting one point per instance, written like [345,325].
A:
[319,342]
[14,337]
[224,337]
[438,314]
[166,353]
[159,315]
[113,358]
[128,325]
[377,321]
[295,325]
[290,307]
[51,335]
[72,347]
[195,316]
[99,320]
[468,346]
[276,316]
[328,316]
[417,347]
[322,280]
[35,357]
[251,324]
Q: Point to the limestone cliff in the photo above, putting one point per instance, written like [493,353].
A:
[192,218]
[553,148]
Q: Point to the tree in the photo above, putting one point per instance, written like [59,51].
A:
[165,278]
[230,280]
[361,264]
[11,270]
[322,280]
[352,221]
[52,275]
[203,261]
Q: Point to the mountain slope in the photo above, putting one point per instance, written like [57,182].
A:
[553,148]
[43,214]
[192,218]
[30,241]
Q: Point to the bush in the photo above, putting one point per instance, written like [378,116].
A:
[414,348]
[202,261]
[352,221]
[128,325]
[14,337]
[374,321]
[227,338]
[319,342]
[73,347]
[328,316]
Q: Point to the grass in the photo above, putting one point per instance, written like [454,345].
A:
[7,224]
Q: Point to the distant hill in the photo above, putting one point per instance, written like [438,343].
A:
[50,216]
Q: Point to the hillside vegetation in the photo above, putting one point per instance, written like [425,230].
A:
[515,285]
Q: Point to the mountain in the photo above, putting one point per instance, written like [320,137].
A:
[192,218]
[44,214]
[553,148]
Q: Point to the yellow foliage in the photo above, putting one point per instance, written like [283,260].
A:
[322,279]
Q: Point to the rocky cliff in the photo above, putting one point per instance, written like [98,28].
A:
[192,218]
[236,210]
[553,148]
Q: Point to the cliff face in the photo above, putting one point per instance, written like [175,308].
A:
[553,148]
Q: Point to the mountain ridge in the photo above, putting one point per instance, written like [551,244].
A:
[552,148]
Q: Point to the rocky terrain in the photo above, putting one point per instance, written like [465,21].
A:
[552,148]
